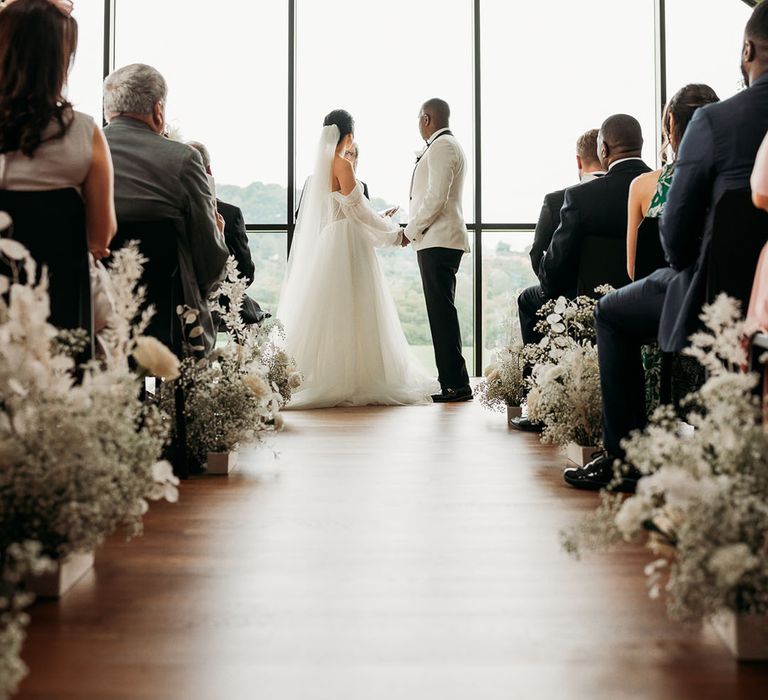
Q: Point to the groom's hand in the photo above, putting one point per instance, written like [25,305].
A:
[404,241]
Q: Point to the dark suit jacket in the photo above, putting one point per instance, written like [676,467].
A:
[237,242]
[237,238]
[549,220]
[717,154]
[596,208]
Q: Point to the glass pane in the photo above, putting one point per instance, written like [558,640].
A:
[704,46]
[382,70]
[551,71]
[84,85]
[402,273]
[269,250]
[227,73]
[506,272]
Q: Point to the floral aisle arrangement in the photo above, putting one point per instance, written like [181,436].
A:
[564,386]
[234,395]
[77,459]
[565,397]
[504,384]
[702,506]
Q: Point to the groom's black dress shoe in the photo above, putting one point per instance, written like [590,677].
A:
[526,424]
[599,474]
[453,395]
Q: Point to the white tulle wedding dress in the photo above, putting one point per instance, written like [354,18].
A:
[340,320]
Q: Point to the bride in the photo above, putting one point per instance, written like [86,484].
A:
[340,321]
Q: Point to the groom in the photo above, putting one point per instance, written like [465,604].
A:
[439,237]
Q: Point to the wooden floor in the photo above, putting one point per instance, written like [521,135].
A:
[387,554]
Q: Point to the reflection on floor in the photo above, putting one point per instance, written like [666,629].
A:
[387,554]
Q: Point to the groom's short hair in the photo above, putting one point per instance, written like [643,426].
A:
[438,109]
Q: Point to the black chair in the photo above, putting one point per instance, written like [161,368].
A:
[649,256]
[602,261]
[52,226]
[161,277]
[739,232]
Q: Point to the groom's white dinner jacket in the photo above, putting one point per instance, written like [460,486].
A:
[437,220]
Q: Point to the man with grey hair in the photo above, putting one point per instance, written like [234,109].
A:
[157,179]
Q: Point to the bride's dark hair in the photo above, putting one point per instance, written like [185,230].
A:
[343,120]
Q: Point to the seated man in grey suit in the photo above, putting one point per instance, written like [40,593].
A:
[157,179]
[590,168]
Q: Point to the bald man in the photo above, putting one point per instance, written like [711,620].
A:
[438,234]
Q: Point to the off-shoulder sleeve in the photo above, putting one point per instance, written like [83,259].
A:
[380,229]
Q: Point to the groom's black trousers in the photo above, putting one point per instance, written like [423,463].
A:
[438,268]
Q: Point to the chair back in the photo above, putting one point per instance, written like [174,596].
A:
[52,226]
[603,261]
[649,255]
[739,232]
[158,243]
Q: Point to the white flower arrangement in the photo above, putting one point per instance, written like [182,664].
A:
[564,384]
[234,395]
[565,396]
[704,498]
[504,382]
[77,460]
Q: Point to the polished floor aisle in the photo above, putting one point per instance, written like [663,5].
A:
[386,554]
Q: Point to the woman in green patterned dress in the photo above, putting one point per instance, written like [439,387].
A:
[648,192]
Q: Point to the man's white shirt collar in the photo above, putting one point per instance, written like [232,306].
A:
[621,160]
[436,134]
[588,177]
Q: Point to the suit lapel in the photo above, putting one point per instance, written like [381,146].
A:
[447,132]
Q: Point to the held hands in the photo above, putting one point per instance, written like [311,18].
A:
[404,240]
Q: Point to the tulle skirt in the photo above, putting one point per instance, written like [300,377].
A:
[344,332]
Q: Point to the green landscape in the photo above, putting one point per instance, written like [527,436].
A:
[506,270]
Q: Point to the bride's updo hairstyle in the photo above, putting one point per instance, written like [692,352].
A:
[343,120]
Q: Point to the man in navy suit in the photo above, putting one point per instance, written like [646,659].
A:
[717,154]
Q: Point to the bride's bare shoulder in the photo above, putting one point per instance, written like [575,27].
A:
[344,173]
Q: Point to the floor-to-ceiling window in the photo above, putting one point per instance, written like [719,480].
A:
[381,62]
[547,72]
[226,67]
[84,84]
[704,41]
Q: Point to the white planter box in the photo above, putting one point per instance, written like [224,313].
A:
[514,412]
[745,635]
[578,454]
[68,571]
[221,462]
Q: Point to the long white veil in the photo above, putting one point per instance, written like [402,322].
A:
[314,216]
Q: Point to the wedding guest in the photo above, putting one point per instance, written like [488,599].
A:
[46,146]
[596,208]
[717,154]
[236,238]
[158,179]
[44,143]
[589,168]
[648,192]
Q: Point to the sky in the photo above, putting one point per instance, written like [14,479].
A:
[550,70]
